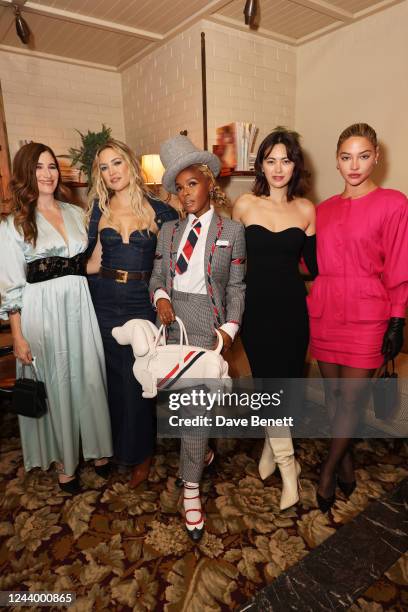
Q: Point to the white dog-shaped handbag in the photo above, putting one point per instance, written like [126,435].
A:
[160,366]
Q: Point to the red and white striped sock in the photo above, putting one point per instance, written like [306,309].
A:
[192,506]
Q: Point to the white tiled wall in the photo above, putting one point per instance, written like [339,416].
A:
[46,100]
[162,94]
[249,78]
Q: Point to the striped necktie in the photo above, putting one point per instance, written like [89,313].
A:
[188,248]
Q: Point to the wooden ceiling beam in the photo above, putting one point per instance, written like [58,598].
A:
[79,18]
[375,8]
[265,33]
[56,58]
[326,8]
[19,3]
[205,13]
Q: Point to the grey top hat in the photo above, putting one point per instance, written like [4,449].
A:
[179,153]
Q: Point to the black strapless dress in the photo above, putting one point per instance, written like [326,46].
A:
[275,329]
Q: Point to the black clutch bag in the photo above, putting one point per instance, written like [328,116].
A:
[385,393]
[29,396]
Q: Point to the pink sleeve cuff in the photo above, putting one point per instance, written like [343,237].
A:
[398,310]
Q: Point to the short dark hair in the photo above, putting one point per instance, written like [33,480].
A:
[298,184]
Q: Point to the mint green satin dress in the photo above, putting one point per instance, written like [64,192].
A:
[59,322]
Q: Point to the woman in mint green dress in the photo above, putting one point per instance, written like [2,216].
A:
[45,296]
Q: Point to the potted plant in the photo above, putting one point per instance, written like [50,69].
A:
[85,155]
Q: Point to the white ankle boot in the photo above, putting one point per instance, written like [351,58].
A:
[281,453]
[290,471]
[267,463]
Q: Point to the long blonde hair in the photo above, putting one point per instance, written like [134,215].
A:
[137,188]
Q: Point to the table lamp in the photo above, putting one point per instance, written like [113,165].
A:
[153,169]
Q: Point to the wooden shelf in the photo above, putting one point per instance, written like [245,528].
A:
[237,173]
[74,184]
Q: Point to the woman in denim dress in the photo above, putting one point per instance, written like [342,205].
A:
[123,228]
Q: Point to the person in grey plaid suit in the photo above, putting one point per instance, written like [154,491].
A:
[198,275]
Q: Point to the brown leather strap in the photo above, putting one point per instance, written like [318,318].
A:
[123,276]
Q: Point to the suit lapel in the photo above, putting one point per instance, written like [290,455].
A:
[214,232]
[178,234]
[211,238]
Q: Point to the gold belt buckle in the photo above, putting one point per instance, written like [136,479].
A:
[122,276]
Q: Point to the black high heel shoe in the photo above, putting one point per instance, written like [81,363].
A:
[104,470]
[194,532]
[346,488]
[325,503]
[72,486]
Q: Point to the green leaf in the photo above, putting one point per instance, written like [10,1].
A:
[85,155]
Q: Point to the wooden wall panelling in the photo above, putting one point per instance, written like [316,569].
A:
[5,165]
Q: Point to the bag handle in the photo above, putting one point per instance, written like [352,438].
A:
[183,334]
[183,340]
[385,372]
[33,367]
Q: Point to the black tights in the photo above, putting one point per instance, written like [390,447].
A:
[346,391]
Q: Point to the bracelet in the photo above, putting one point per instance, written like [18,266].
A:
[14,311]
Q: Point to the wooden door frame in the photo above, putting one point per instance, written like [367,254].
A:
[5,163]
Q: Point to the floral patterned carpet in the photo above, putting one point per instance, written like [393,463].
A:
[124,549]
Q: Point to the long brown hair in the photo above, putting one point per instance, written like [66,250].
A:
[24,188]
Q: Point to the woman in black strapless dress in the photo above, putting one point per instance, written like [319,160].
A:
[279,228]
[124,221]
[276,337]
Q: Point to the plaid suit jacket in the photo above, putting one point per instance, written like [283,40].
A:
[224,265]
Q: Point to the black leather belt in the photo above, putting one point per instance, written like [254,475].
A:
[49,268]
[123,276]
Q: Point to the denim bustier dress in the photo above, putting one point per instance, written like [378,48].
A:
[132,416]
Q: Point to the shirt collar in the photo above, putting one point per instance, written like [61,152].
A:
[205,219]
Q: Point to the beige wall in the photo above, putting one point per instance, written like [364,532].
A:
[162,94]
[46,100]
[358,73]
[249,78]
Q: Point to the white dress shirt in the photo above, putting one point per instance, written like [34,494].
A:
[193,280]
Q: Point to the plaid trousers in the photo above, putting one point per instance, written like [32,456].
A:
[196,313]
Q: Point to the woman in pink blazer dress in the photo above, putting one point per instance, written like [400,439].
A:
[358,301]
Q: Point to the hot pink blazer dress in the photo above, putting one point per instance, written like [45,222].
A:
[362,253]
